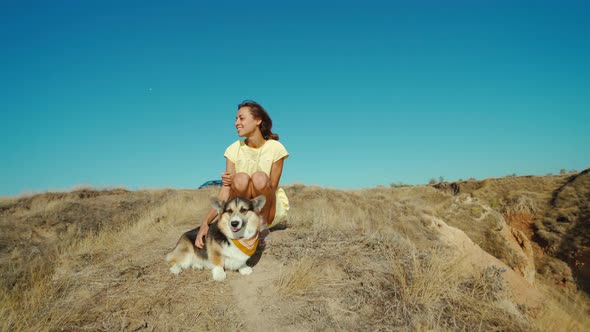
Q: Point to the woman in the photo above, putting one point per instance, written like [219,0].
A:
[253,167]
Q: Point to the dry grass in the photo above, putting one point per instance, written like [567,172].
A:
[566,310]
[300,278]
[564,230]
[347,260]
[103,279]
[423,290]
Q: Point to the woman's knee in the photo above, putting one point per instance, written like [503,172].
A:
[240,182]
[260,181]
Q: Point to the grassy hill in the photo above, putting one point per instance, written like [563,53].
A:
[498,254]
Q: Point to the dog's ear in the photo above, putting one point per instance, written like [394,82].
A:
[217,204]
[258,203]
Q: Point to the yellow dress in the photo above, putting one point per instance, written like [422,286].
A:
[251,160]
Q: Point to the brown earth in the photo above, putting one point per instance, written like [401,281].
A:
[488,255]
[552,212]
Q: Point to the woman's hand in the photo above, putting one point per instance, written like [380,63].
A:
[202,235]
[227,178]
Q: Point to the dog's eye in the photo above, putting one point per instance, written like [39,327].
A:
[243,210]
[229,211]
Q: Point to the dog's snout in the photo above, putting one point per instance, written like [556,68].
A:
[234,223]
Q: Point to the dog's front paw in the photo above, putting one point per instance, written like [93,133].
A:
[245,271]
[176,269]
[218,273]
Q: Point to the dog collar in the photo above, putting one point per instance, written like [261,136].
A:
[247,246]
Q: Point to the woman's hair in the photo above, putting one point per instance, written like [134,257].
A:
[258,112]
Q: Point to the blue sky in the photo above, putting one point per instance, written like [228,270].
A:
[143,94]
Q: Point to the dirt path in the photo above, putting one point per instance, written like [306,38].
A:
[256,295]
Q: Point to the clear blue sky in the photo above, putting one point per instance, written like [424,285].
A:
[143,94]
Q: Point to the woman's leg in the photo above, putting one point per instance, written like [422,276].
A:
[250,187]
[261,186]
[241,186]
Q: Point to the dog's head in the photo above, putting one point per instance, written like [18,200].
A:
[239,217]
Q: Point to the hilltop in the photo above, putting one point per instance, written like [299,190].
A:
[496,254]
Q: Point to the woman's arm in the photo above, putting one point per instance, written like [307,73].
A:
[275,173]
[223,195]
[224,192]
[227,176]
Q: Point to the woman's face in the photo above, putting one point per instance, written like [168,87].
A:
[245,122]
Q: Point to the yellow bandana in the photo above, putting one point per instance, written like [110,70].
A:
[247,246]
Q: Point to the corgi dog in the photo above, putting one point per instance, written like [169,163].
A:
[231,240]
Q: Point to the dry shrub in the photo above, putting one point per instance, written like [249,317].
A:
[379,210]
[564,231]
[521,204]
[300,278]
[565,310]
[352,260]
[35,229]
[105,280]
[488,285]
[32,295]
[425,290]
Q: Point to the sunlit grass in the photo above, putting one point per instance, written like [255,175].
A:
[367,259]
